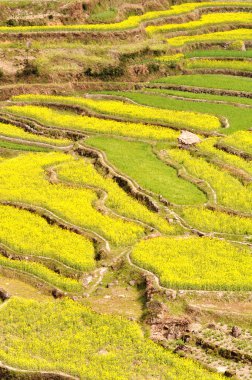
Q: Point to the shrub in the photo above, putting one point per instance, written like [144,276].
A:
[105,73]
[153,67]
[237,45]
[29,69]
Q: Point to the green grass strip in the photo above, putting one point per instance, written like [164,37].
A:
[225,82]
[219,54]
[139,162]
[28,148]
[65,336]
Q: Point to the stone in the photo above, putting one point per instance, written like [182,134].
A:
[229,373]
[99,289]
[221,369]
[236,331]
[181,348]
[243,48]
[4,295]
[171,294]
[194,327]
[186,338]
[181,293]
[87,280]
[132,319]
[132,282]
[211,326]
[56,293]
[74,298]
[102,352]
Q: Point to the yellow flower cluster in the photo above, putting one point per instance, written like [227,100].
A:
[10,130]
[241,140]
[170,58]
[81,172]
[69,120]
[207,146]
[205,20]
[129,23]
[196,263]
[229,190]
[231,35]
[214,221]
[179,119]
[30,234]
[219,64]
[23,179]
[67,337]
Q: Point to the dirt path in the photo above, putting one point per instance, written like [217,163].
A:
[35,143]
[35,375]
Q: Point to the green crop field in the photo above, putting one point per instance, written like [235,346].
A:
[211,81]
[174,259]
[125,190]
[143,164]
[231,112]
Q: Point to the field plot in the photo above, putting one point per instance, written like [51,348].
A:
[218,179]
[213,151]
[230,112]
[84,173]
[215,37]
[214,221]
[132,111]
[143,164]
[241,141]
[194,262]
[29,234]
[40,272]
[205,21]
[125,190]
[104,354]
[8,130]
[211,81]
[68,120]
[63,200]
[130,23]
[219,64]
[219,53]
[201,97]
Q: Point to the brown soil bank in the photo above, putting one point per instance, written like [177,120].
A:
[6,92]
[9,373]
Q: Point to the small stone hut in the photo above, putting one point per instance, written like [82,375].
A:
[188,138]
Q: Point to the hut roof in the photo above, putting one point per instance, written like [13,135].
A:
[188,138]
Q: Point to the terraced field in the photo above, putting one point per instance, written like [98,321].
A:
[125,190]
